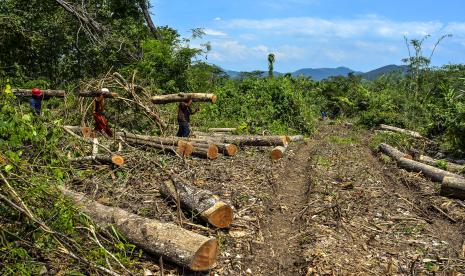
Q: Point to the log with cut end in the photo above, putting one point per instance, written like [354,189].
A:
[46,93]
[117,160]
[453,187]
[209,151]
[251,140]
[173,243]
[225,149]
[91,94]
[451,167]
[222,129]
[181,97]
[278,152]
[296,138]
[183,148]
[401,130]
[433,173]
[203,203]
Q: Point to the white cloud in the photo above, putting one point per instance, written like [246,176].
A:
[212,32]
[347,28]
[217,19]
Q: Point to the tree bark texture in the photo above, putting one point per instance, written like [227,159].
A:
[453,187]
[181,97]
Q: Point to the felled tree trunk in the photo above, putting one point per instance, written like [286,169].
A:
[45,93]
[222,129]
[401,130]
[90,94]
[296,138]
[203,203]
[184,149]
[433,173]
[451,167]
[117,160]
[183,247]
[225,149]
[453,187]
[278,152]
[257,140]
[181,97]
[209,152]
[393,152]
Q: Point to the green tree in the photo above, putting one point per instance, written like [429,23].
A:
[271,60]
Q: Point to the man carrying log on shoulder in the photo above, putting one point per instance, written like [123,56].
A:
[36,101]
[184,113]
[101,121]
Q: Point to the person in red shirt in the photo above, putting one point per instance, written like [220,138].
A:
[100,118]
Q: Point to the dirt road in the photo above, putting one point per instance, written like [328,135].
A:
[338,209]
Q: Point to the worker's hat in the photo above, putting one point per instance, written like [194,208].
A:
[36,92]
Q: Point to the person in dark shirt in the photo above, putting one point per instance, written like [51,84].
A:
[184,113]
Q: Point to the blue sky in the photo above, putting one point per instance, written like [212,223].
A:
[359,34]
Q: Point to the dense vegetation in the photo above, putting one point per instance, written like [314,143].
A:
[44,45]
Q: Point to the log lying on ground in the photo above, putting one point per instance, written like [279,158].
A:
[201,202]
[84,131]
[209,151]
[278,152]
[251,140]
[183,148]
[181,97]
[117,160]
[401,130]
[433,173]
[170,241]
[222,129]
[225,149]
[451,167]
[90,94]
[46,93]
[453,187]
[296,138]
[393,152]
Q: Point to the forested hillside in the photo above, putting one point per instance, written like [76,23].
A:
[82,47]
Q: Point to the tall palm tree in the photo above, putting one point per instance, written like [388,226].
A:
[271,59]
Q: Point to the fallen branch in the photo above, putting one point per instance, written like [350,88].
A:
[278,152]
[117,160]
[91,94]
[453,187]
[451,167]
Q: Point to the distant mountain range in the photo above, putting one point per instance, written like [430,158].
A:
[324,73]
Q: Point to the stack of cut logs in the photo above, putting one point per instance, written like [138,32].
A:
[452,183]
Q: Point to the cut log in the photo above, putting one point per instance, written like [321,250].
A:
[251,140]
[453,187]
[210,152]
[401,130]
[225,149]
[117,160]
[45,93]
[91,94]
[184,149]
[222,129]
[173,243]
[181,97]
[278,152]
[433,173]
[296,138]
[393,152]
[451,167]
[201,202]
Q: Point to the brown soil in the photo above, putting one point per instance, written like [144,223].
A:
[329,207]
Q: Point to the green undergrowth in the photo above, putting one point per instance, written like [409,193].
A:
[40,230]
